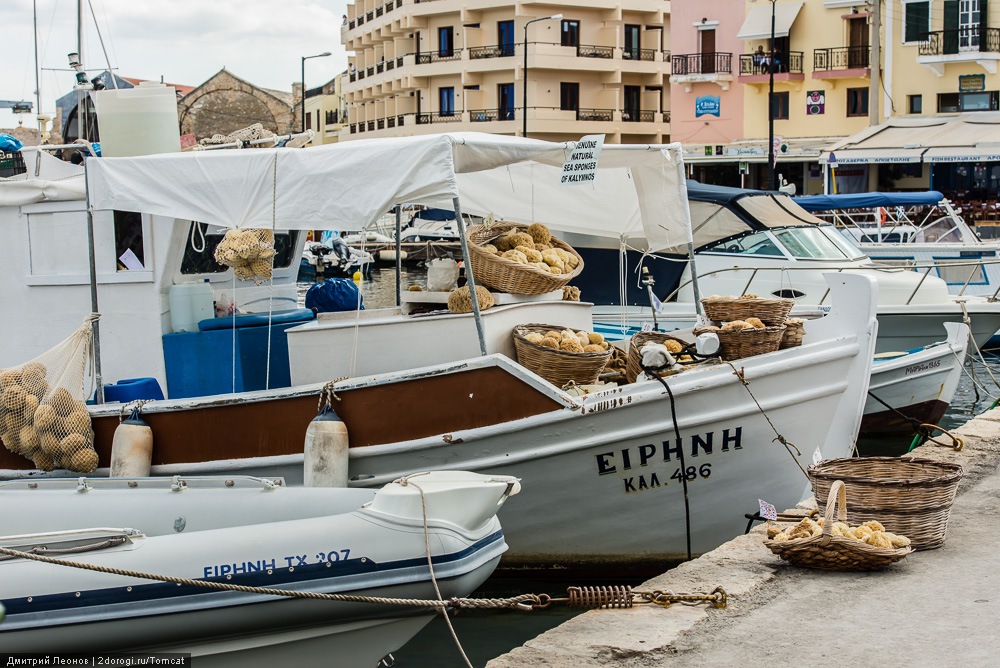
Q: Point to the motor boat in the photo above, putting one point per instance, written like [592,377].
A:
[241,531]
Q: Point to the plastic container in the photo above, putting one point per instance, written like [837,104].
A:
[131,389]
[189,304]
[138,121]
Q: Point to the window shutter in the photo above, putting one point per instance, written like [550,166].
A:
[984,29]
[951,26]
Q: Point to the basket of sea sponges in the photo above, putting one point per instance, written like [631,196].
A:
[633,368]
[745,338]
[910,495]
[836,545]
[727,309]
[794,333]
[561,355]
[521,259]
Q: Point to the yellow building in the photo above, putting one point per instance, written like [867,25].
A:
[557,69]
[326,111]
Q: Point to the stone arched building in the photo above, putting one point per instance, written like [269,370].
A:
[226,103]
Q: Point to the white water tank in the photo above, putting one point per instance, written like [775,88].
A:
[138,121]
[189,304]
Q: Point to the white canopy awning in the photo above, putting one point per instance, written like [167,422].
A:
[874,155]
[758,22]
[962,154]
[639,190]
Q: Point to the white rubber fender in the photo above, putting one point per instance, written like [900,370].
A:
[132,448]
[325,452]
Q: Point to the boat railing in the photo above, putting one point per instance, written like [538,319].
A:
[926,266]
[873,228]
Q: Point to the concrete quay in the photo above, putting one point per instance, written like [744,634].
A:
[934,608]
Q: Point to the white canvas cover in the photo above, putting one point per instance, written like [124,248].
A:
[348,186]
[55,181]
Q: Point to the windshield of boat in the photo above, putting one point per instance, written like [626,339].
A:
[807,243]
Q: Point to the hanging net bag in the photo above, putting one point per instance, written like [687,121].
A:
[250,252]
[42,413]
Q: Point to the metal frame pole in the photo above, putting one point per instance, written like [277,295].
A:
[770,109]
[471,281]
[95,323]
[399,259]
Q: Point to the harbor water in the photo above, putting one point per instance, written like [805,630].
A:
[484,635]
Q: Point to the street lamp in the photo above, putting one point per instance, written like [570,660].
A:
[770,109]
[304,59]
[524,97]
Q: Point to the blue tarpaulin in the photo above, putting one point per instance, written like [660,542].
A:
[11,143]
[334,294]
[868,200]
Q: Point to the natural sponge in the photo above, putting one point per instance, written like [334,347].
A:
[460,299]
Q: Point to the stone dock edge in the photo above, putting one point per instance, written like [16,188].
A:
[741,566]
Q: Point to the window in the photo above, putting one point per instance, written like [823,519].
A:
[570,33]
[446,42]
[505,96]
[631,50]
[128,240]
[569,96]
[309,123]
[857,101]
[915,104]
[979,101]
[505,37]
[916,21]
[779,107]
[446,101]
[203,261]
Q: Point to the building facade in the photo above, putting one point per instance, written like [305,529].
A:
[555,70]
[326,111]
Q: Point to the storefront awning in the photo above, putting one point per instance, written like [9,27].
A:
[962,154]
[874,155]
[758,22]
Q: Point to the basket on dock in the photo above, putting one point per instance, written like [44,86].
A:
[795,331]
[727,309]
[836,553]
[908,495]
[739,343]
[512,277]
[559,367]
[633,368]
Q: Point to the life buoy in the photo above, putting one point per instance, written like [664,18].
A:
[881,215]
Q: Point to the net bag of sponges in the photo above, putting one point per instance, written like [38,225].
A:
[42,413]
[250,252]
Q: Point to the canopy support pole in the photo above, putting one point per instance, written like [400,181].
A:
[469,278]
[698,308]
[95,323]
[399,259]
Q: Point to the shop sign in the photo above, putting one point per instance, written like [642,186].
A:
[970,83]
[815,102]
[707,105]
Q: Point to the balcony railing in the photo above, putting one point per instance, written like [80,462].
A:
[427,119]
[486,115]
[702,63]
[942,42]
[841,58]
[783,62]
[593,51]
[499,51]
[638,115]
[595,114]
[638,54]
[437,56]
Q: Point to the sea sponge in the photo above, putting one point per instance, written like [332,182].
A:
[709,328]
[542,247]
[520,239]
[748,295]
[595,337]
[772,530]
[736,325]
[49,444]
[83,461]
[77,422]
[28,439]
[62,401]
[757,323]
[541,266]
[30,405]
[45,417]
[781,537]
[530,253]
[568,334]
[897,540]
[515,255]
[490,248]
[14,398]
[584,337]
[502,243]
[549,342]
[534,337]
[571,345]
[555,270]
[554,334]
[70,445]
[415,288]
[460,299]
[43,461]
[9,378]
[873,525]
[571,293]
[879,539]
[593,348]
[551,258]
[540,233]
[673,346]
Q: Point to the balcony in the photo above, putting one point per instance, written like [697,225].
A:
[844,62]
[438,56]
[488,115]
[593,51]
[757,69]
[428,119]
[498,51]
[962,45]
[708,67]
[639,54]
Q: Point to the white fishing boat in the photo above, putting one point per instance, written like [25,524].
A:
[241,531]
[764,243]
[914,387]
[611,457]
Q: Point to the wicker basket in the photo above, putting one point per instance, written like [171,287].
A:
[908,495]
[633,369]
[836,553]
[557,366]
[739,343]
[770,311]
[512,277]
[795,331]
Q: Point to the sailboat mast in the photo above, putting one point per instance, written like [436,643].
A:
[38,83]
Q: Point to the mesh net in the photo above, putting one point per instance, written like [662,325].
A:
[250,133]
[250,252]
[42,413]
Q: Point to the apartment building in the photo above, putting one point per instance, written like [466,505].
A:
[556,69]
[326,111]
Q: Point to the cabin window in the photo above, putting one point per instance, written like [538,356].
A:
[956,271]
[128,241]
[816,243]
[759,243]
[199,257]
